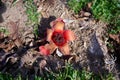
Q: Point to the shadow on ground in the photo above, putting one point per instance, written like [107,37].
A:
[96,57]
[44,24]
[2,10]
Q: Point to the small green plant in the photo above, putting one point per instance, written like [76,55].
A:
[33,15]
[69,73]
[38,78]
[3,30]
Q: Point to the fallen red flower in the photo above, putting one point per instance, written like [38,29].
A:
[57,37]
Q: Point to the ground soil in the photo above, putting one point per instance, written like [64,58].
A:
[19,49]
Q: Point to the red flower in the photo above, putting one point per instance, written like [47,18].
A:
[57,38]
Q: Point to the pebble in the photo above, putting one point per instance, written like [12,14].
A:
[87,14]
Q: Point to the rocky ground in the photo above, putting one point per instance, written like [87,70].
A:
[19,48]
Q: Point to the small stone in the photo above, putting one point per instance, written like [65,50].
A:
[59,53]
[85,18]
[87,14]
[68,21]
[31,44]
[42,63]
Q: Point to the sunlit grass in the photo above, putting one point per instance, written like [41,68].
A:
[104,10]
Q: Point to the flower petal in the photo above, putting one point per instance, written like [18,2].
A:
[49,34]
[58,24]
[59,19]
[52,47]
[69,35]
[47,49]
[65,49]
[44,50]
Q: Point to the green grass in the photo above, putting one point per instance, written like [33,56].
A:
[8,77]
[69,73]
[108,11]
[33,15]
[104,10]
[77,5]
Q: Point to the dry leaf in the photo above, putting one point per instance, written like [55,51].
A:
[42,63]
[13,30]
[7,47]
[115,37]
[89,5]
[14,33]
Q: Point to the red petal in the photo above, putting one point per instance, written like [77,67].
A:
[65,49]
[47,49]
[69,35]
[51,47]
[44,50]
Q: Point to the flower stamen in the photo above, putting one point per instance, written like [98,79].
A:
[58,38]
